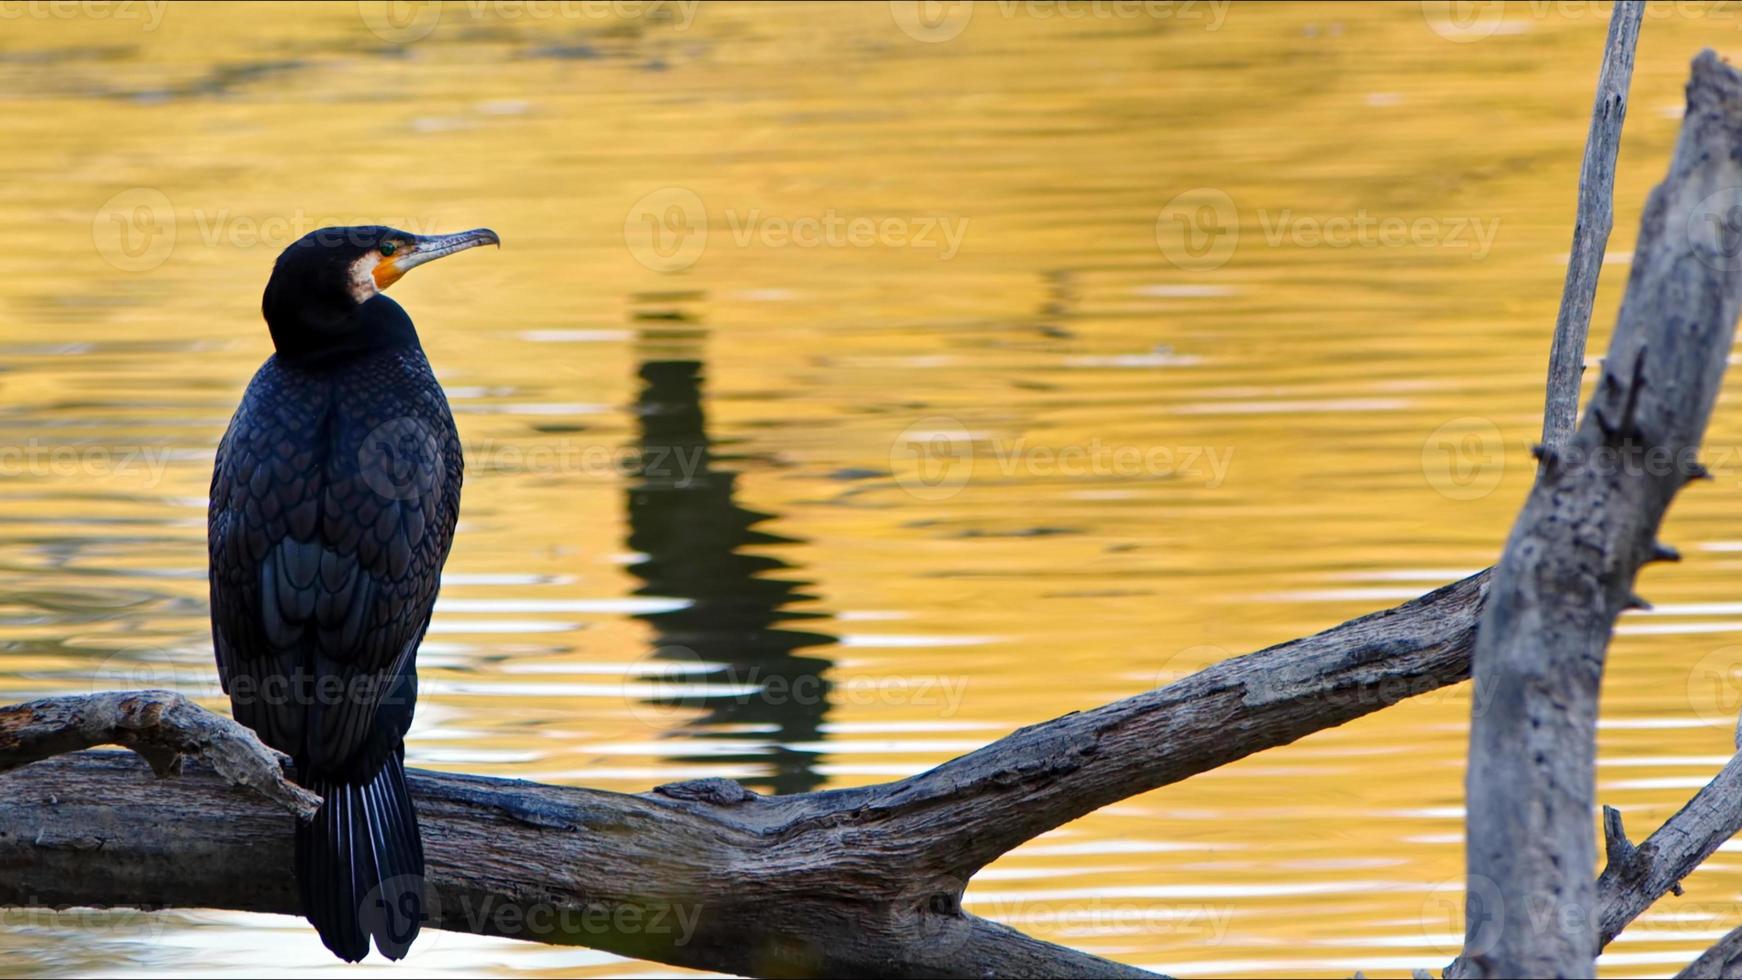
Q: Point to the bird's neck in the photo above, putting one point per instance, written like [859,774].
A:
[312,336]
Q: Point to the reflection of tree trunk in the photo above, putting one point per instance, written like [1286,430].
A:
[697,541]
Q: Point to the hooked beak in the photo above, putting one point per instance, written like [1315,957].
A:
[428,248]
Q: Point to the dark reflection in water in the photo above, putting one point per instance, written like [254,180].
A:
[702,546]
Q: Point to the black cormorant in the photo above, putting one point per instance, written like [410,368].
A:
[332,509]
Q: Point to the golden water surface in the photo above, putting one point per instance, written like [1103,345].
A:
[857,384]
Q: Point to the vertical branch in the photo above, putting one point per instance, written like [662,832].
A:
[1596,214]
[1570,563]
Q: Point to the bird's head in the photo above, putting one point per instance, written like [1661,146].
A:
[325,294]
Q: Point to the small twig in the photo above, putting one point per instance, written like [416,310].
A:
[1617,849]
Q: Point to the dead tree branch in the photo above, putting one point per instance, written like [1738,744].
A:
[864,881]
[164,728]
[1629,886]
[1569,566]
[1591,224]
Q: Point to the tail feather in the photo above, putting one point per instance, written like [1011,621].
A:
[359,865]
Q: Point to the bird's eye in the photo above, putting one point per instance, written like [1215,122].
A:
[388,248]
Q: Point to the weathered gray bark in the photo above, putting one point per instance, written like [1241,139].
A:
[702,875]
[1633,879]
[1722,962]
[1635,876]
[1569,565]
[864,881]
[1591,224]
[163,728]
